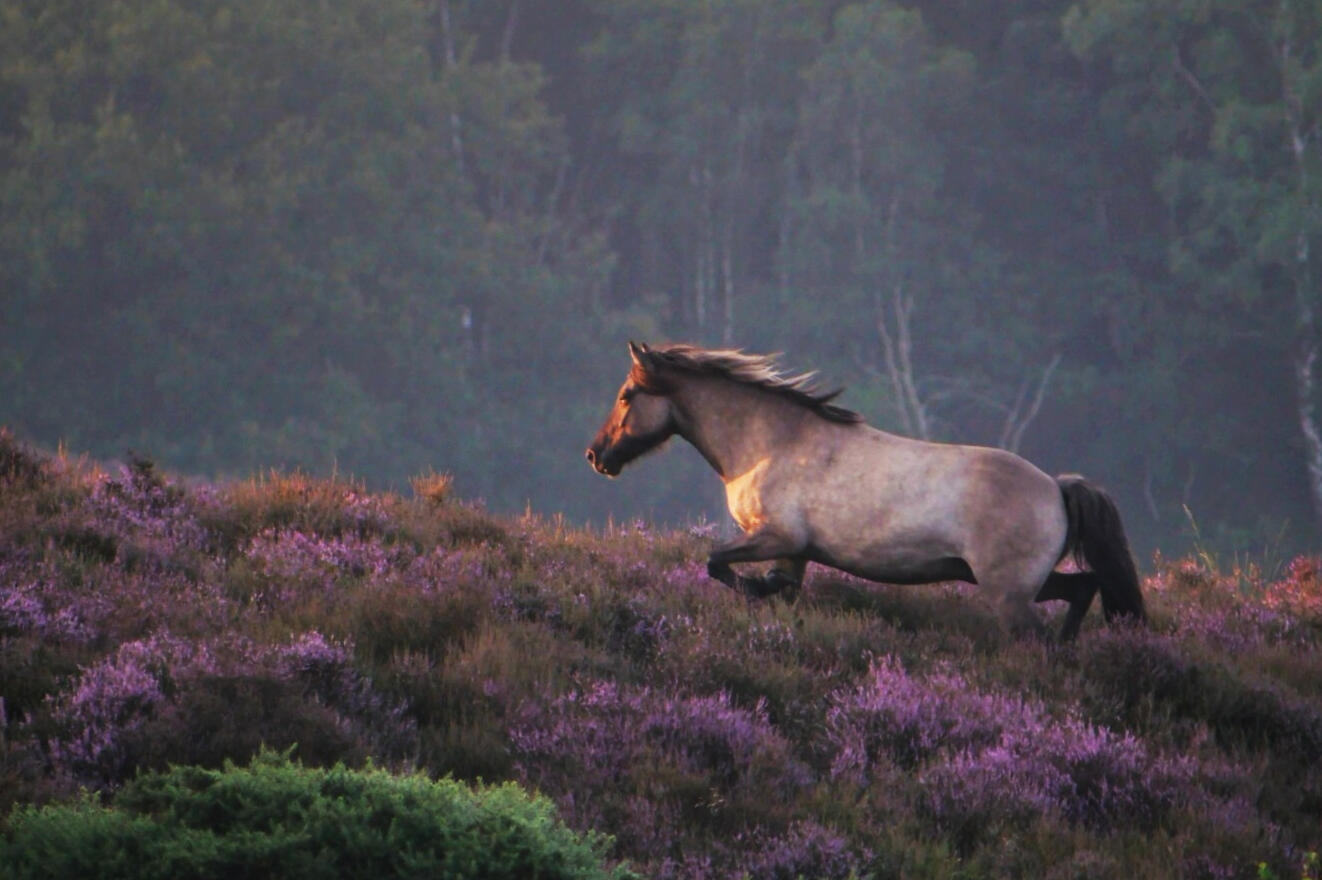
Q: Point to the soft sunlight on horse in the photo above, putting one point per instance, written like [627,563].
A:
[808,481]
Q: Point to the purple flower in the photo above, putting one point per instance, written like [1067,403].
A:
[805,850]
[897,717]
[98,720]
[637,760]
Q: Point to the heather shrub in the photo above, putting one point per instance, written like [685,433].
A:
[1065,770]
[987,761]
[464,697]
[663,770]
[905,719]
[806,849]
[455,523]
[1127,673]
[19,466]
[1132,673]
[167,699]
[275,818]
[295,501]
[947,609]
[396,615]
[1264,716]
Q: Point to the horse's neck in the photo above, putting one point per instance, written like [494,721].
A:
[736,427]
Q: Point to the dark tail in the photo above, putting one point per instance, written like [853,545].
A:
[1096,539]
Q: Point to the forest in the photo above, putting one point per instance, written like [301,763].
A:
[384,238]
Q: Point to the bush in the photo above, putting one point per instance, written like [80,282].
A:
[168,700]
[276,818]
[667,772]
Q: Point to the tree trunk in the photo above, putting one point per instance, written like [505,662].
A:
[456,128]
[1305,363]
[1306,347]
[1021,414]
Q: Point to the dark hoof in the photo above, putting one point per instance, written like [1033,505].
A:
[784,586]
[774,584]
[757,587]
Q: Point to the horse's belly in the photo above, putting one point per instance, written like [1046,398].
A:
[893,568]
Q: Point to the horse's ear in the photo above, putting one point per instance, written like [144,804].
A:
[648,367]
[642,356]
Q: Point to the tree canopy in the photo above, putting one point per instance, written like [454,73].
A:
[392,236]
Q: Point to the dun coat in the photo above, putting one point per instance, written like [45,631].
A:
[808,481]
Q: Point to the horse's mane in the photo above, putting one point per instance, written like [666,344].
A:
[758,370]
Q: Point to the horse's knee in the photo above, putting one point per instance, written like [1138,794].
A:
[722,572]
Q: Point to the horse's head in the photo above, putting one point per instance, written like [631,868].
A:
[641,419]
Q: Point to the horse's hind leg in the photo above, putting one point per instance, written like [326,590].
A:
[1018,615]
[1077,588]
[1015,583]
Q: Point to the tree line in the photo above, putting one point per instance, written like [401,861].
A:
[386,236]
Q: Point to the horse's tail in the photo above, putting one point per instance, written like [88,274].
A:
[1096,539]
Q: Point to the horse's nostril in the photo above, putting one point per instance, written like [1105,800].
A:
[591,456]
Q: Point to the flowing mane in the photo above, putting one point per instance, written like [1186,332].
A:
[758,370]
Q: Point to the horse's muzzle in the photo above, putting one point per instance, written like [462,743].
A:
[598,463]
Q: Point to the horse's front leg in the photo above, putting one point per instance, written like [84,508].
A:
[784,579]
[759,546]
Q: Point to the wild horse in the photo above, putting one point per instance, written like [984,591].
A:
[808,481]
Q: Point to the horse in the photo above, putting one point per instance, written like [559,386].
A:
[807,480]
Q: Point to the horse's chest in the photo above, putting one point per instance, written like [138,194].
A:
[745,497]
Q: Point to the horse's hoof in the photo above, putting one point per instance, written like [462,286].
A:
[756,587]
[783,585]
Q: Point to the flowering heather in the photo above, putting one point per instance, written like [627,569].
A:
[293,565]
[141,504]
[607,753]
[296,555]
[906,719]
[866,730]
[29,603]
[145,686]
[806,849]
[1070,769]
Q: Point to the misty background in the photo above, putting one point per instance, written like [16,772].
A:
[384,237]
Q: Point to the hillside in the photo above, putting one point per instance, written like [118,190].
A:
[868,730]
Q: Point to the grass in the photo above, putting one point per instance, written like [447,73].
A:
[867,730]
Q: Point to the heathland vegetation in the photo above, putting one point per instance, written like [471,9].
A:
[148,621]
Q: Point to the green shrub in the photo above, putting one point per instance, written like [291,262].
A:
[278,819]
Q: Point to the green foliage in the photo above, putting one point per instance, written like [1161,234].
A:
[271,197]
[277,818]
